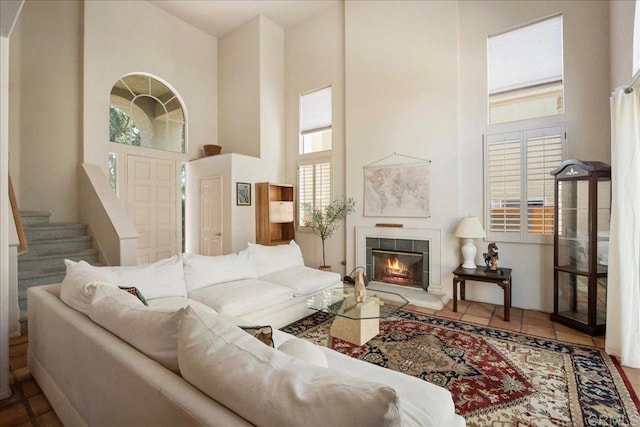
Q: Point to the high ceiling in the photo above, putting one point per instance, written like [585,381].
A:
[218,17]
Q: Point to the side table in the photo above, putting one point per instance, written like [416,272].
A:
[501,277]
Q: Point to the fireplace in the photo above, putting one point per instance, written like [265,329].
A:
[426,289]
[397,267]
[403,262]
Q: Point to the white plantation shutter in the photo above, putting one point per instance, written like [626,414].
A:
[504,172]
[314,185]
[544,153]
[518,186]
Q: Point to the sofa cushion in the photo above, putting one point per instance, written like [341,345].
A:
[74,291]
[201,270]
[242,296]
[268,259]
[268,387]
[152,330]
[164,278]
[175,303]
[304,350]
[303,280]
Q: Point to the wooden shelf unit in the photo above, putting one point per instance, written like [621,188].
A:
[274,213]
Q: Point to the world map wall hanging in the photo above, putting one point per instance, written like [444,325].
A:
[397,186]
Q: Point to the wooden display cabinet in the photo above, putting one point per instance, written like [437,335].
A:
[274,213]
[582,194]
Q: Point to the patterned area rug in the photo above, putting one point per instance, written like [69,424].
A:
[496,377]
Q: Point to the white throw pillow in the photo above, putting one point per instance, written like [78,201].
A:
[201,271]
[152,330]
[304,350]
[74,292]
[164,278]
[270,388]
[268,259]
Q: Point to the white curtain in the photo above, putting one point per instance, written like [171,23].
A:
[623,295]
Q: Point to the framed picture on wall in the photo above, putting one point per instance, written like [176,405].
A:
[243,194]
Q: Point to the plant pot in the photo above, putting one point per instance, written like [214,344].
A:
[325,268]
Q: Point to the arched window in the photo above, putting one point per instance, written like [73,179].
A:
[145,112]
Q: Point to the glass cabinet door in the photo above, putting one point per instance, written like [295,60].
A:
[573,224]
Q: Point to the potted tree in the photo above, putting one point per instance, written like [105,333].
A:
[325,221]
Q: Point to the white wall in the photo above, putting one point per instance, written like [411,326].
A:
[45,103]
[401,77]
[239,86]
[272,78]
[586,71]
[239,223]
[314,59]
[621,15]
[136,36]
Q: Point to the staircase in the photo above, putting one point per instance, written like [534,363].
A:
[49,245]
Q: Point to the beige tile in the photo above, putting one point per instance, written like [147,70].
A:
[475,319]
[515,313]
[449,314]
[13,415]
[419,309]
[39,404]
[536,314]
[30,388]
[18,349]
[538,331]
[572,338]
[481,310]
[535,321]
[599,342]
[633,375]
[19,340]
[18,362]
[497,322]
[50,419]
[22,374]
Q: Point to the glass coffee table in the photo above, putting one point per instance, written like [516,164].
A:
[356,322]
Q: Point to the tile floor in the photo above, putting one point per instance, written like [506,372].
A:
[29,407]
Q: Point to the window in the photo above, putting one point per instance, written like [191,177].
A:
[146,113]
[315,121]
[518,187]
[314,185]
[525,72]
[314,162]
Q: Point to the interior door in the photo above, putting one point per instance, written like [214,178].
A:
[211,215]
[152,204]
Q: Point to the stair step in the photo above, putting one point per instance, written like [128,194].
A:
[28,279]
[30,262]
[54,231]
[58,246]
[34,217]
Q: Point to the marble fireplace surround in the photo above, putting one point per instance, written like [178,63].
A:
[434,297]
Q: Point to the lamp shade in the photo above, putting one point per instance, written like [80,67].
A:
[469,227]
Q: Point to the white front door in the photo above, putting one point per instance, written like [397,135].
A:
[153,205]
[211,216]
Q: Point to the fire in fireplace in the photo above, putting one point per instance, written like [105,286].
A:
[398,267]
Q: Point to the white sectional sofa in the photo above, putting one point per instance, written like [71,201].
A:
[103,358]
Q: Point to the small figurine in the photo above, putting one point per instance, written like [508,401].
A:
[491,257]
[360,290]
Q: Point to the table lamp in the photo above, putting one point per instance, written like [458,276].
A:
[469,228]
